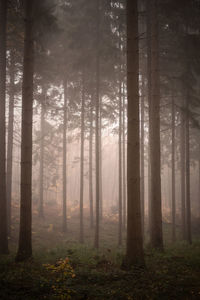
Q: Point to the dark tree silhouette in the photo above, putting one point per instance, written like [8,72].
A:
[25,233]
[3,203]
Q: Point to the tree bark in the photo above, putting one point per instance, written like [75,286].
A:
[173,174]
[156,236]
[142,185]
[82,159]
[134,250]
[148,21]
[42,134]
[124,160]
[64,223]
[97,144]
[10,138]
[91,165]
[3,203]
[120,161]
[25,233]
[187,159]
[199,182]
[100,161]
[120,213]
[182,154]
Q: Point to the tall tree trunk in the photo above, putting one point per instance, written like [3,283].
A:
[91,165]
[148,22]
[64,224]
[199,181]
[42,134]
[134,250]
[142,186]
[187,173]
[120,143]
[124,159]
[182,154]
[187,142]
[25,233]
[120,161]
[156,237]
[100,162]
[10,138]
[82,159]
[143,44]
[3,203]
[149,189]
[97,149]
[173,174]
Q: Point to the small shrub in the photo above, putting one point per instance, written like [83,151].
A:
[60,272]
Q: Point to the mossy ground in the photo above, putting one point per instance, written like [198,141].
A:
[171,275]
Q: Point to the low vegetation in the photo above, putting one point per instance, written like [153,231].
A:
[61,268]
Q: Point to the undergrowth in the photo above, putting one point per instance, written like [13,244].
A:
[61,268]
[81,272]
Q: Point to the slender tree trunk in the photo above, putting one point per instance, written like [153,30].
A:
[96,240]
[199,182]
[187,144]
[148,21]
[10,138]
[100,162]
[182,154]
[82,160]
[143,44]
[91,165]
[3,203]
[120,143]
[156,237]
[25,233]
[149,190]
[187,159]
[124,160]
[173,174]
[134,250]
[120,161]
[42,134]
[64,224]
[142,186]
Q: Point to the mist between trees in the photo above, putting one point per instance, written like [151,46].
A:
[99,122]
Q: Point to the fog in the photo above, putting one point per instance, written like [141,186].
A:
[99,127]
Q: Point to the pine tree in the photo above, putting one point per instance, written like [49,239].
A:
[156,238]
[10,136]
[25,233]
[91,164]
[173,173]
[3,203]
[82,158]
[97,145]
[64,225]
[42,136]
[134,251]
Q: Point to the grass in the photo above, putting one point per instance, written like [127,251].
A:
[174,274]
[96,274]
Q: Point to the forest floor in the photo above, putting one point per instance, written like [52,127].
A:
[62,268]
